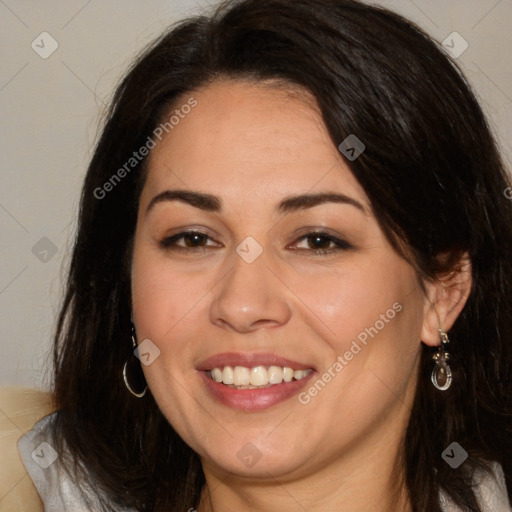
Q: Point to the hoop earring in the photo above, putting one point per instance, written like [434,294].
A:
[132,371]
[442,373]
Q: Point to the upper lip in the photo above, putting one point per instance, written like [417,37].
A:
[249,360]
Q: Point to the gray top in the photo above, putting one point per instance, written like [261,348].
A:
[60,494]
[56,488]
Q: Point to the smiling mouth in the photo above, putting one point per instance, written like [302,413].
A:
[256,377]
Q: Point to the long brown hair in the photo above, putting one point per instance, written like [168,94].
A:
[436,184]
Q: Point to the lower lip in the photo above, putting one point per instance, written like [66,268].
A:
[254,399]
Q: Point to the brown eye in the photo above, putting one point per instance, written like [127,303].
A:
[194,239]
[320,243]
[189,240]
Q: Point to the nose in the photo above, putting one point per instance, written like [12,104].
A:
[251,297]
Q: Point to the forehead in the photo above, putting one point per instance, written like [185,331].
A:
[244,138]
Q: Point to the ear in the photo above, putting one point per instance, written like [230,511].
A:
[445,298]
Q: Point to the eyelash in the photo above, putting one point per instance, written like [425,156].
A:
[340,244]
[170,242]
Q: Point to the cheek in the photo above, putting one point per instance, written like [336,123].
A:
[348,303]
[373,340]
[159,295]
[163,308]
[370,317]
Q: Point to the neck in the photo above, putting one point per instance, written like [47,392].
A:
[366,477]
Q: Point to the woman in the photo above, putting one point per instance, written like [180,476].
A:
[295,225]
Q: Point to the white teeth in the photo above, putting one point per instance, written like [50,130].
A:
[287,374]
[275,375]
[241,376]
[227,375]
[257,376]
[217,375]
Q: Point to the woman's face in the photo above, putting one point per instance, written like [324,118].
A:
[284,265]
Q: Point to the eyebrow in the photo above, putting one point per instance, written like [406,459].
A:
[205,202]
[305,201]
[211,203]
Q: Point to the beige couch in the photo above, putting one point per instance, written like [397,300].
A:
[20,408]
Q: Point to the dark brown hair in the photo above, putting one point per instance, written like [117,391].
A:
[436,184]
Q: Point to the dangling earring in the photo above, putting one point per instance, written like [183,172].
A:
[132,371]
[442,374]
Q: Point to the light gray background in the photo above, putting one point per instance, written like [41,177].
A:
[50,110]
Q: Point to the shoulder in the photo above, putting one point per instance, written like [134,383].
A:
[58,486]
[491,491]
[46,468]
[21,408]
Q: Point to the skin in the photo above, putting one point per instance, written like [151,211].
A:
[252,145]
